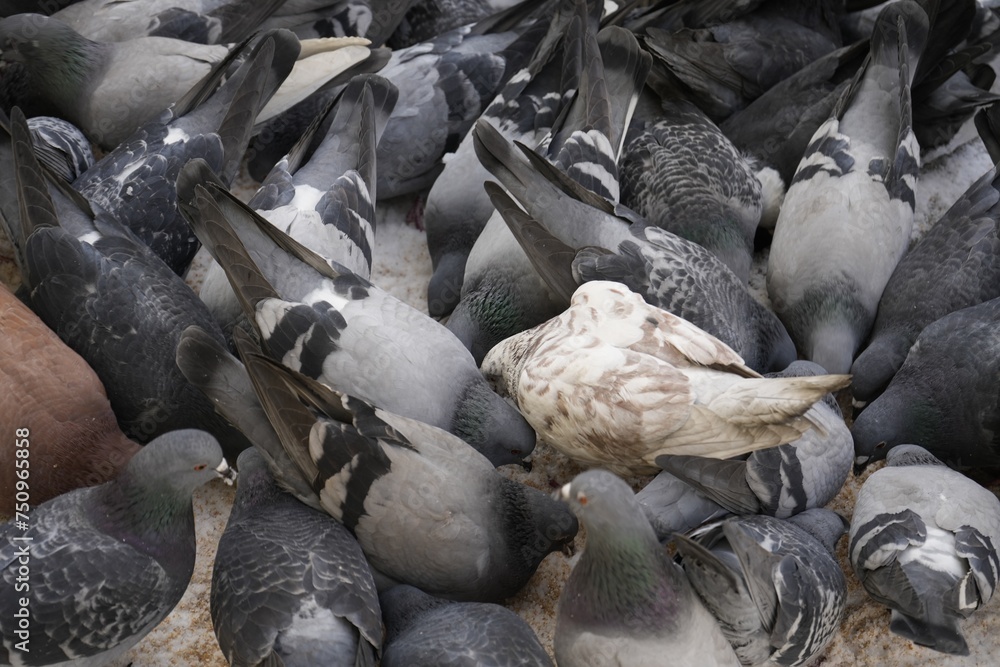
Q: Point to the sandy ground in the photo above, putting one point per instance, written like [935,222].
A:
[403,267]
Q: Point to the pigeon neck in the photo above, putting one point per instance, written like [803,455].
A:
[63,71]
[628,579]
[155,519]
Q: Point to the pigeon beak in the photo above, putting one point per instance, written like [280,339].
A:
[227,474]
[563,493]
[860,463]
[526,465]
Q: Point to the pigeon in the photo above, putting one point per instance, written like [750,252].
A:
[372,19]
[107,563]
[727,65]
[774,585]
[49,69]
[944,396]
[424,631]
[614,382]
[717,204]
[846,218]
[112,300]
[199,21]
[501,293]
[143,169]
[61,147]
[457,207]
[323,320]
[922,542]
[780,481]
[70,433]
[573,236]
[290,586]
[323,198]
[955,265]
[427,509]
[625,602]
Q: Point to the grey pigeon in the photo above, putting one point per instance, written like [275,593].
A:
[923,542]
[109,89]
[573,236]
[427,509]
[718,204]
[321,195]
[332,325]
[136,182]
[502,294]
[728,64]
[955,265]
[112,300]
[107,563]
[944,397]
[290,585]
[775,586]
[424,631]
[61,147]
[457,207]
[846,218]
[375,20]
[626,602]
[780,481]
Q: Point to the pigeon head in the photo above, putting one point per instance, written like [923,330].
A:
[491,425]
[605,504]
[179,462]
[890,420]
[825,525]
[502,365]
[874,368]
[256,485]
[535,524]
[45,43]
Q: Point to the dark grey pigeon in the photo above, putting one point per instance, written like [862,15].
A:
[61,147]
[781,481]
[426,19]
[955,265]
[573,236]
[847,216]
[502,293]
[923,542]
[425,631]
[322,193]
[775,586]
[457,207]
[427,509]
[290,585]
[944,397]
[107,563]
[626,602]
[327,322]
[109,298]
[718,203]
[136,182]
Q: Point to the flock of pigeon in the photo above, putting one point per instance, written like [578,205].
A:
[595,183]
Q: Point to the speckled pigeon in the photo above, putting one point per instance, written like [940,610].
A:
[104,565]
[290,585]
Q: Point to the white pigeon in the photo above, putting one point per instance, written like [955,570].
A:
[615,382]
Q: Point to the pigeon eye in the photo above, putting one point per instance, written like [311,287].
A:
[581,498]
[200,466]
[880,445]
